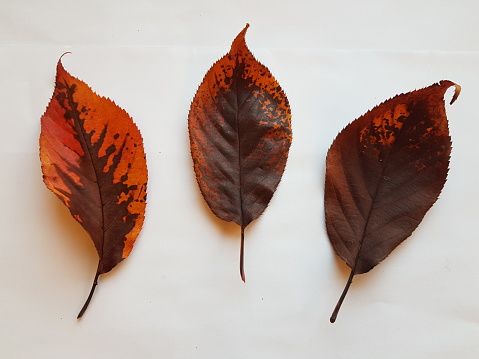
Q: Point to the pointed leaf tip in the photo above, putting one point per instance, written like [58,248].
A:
[240,39]
[457,92]
[457,89]
[65,53]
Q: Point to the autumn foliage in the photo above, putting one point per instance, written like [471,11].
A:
[93,159]
[240,133]
[384,170]
[383,173]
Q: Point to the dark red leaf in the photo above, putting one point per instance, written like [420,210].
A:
[383,172]
[93,160]
[240,134]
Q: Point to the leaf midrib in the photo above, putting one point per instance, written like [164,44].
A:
[82,134]
[238,139]
[373,198]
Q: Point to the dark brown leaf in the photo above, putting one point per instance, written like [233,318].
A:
[383,172]
[240,134]
[93,160]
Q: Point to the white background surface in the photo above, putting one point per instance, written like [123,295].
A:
[179,294]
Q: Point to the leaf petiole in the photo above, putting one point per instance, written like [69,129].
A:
[85,306]
[242,255]
[343,295]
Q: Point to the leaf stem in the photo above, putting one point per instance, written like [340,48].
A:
[242,255]
[85,306]
[343,295]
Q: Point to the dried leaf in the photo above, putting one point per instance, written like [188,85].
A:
[93,159]
[383,172]
[240,134]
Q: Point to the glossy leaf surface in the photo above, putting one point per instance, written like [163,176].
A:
[240,134]
[93,159]
[383,173]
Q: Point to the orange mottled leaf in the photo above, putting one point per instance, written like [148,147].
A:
[383,173]
[93,159]
[240,133]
